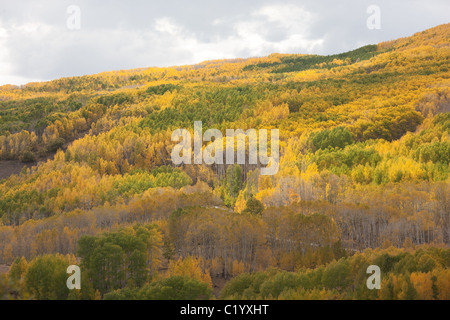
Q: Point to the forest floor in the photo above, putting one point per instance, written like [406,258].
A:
[10,167]
[3,268]
[218,284]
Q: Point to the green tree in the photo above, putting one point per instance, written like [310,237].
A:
[46,277]
[172,288]
[253,206]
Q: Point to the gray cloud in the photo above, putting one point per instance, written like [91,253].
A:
[35,43]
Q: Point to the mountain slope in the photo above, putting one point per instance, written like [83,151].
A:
[364,145]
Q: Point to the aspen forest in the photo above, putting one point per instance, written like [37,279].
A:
[86,178]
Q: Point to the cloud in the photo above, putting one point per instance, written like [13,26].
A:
[35,43]
[40,50]
[274,28]
[166,25]
[279,28]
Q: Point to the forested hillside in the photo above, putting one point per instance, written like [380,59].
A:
[363,179]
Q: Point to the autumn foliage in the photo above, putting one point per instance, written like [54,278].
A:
[363,179]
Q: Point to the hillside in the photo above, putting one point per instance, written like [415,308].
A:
[364,165]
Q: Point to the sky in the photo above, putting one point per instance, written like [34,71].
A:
[49,39]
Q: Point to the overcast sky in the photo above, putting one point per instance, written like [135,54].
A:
[40,40]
